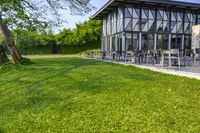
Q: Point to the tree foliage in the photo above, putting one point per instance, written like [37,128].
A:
[34,14]
[1,39]
[83,34]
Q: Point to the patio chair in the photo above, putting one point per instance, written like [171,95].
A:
[129,56]
[111,55]
[103,55]
[151,55]
[117,56]
[139,55]
[171,55]
[123,56]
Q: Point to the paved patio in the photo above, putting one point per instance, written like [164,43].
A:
[189,71]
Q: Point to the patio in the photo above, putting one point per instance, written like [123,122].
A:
[189,67]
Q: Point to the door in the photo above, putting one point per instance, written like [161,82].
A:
[119,48]
[163,41]
[147,41]
[176,41]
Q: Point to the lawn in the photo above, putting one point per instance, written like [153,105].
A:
[71,94]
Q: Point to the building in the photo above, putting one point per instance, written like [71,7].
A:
[147,24]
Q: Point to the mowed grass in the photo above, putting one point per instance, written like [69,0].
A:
[77,95]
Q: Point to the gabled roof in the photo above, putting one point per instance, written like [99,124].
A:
[111,4]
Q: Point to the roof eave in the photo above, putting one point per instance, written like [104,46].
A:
[98,15]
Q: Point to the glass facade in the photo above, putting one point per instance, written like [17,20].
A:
[142,28]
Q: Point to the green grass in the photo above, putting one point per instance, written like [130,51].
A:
[76,95]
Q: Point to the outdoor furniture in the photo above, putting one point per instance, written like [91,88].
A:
[113,55]
[171,55]
[139,55]
[107,54]
[87,54]
[98,55]
[129,56]
[103,55]
[123,56]
[151,55]
[117,56]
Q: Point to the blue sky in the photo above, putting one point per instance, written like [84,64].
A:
[72,20]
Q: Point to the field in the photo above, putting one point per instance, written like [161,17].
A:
[70,94]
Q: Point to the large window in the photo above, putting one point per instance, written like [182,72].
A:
[160,21]
[119,47]
[129,46]
[148,20]
[173,22]
[150,41]
[135,42]
[144,21]
[187,42]
[165,40]
[128,18]
[119,20]
[163,21]
[147,41]
[176,42]
[152,21]
[132,19]
[113,43]
[144,42]
[108,25]
[190,20]
[198,21]
[104,27]
[179,23]
[114,23]
[159,42]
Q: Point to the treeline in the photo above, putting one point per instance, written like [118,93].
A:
[85,36]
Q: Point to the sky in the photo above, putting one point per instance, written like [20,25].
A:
[72,20]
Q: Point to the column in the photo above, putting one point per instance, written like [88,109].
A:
[105,45]
[155,41]
[182,42]
[123,41]
[111,48]
[140,41]
[170,40]
[116,43]
[102,44]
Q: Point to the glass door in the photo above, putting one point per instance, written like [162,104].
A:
[135,42]
[144,42]
[179,42]
[147,41]
[187,42]
[119,48]
[165,40]
[176,41]
[150,41]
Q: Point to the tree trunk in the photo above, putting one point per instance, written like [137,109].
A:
[9,41]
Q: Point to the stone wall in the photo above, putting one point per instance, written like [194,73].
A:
[195,36]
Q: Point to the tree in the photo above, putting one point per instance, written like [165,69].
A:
[24,40]
[33,15]
[85,33]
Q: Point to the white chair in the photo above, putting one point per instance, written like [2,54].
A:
[171,55]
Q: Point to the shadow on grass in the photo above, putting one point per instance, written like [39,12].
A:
[33,96]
